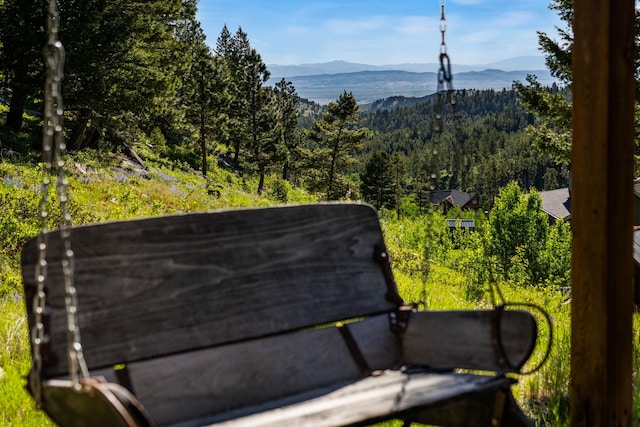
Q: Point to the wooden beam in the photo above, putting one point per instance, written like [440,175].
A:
[602,200]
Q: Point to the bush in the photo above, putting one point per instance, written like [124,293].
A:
[518,232]
[280,190]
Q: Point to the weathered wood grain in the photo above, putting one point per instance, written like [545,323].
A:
[167,285]
[217,380]
[361,402]
[252,374]
[479,410]
[217,316]
[464,339]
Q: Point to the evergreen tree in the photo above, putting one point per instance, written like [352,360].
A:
[337,138]
[263,147]
[248,76]
[223,44]
[261,114]
[235,58]
[121,57]
[205,92]
[22,32]
[400,171]
[553,107]
[378,181]
[287,122]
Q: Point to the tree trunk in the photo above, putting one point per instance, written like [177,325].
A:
[261,182]
[76,141]
[236,154]
[19,97]
[203,144]
[334,155]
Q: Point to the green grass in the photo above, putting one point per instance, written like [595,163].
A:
[543,395]
[17,408]
[104,188]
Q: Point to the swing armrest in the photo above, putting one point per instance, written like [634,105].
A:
[488,340]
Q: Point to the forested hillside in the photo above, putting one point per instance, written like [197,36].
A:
[482,146]
[147,76]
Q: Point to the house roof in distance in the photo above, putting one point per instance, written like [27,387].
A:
[636,187]
[454,198]
[557,203]
[636,246]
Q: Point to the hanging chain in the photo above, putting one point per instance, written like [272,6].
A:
[444,87]
[444,74]
[446,91]
[53,149]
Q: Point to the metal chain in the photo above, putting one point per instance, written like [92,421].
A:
[444,74]
[53,149]
[446,91]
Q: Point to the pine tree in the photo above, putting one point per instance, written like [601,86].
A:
[121,57]
[287,122]
[223,44]
[337,138]
[553,107]
[248,76]
[378,181]
[400,171]
[123,62]
[263,148]
[235,58]
[205,91]
[22,32]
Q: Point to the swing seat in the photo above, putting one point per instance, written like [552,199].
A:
[283,316]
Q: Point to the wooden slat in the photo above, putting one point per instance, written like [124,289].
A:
[484,408]
[363,402]
[379,346]
[464,339]
[205,382]
[173,284]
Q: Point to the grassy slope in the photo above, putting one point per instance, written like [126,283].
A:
[99,193]
[119,191]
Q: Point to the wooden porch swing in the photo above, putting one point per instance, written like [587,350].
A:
[285,316]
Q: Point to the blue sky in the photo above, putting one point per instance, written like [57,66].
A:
[380,32]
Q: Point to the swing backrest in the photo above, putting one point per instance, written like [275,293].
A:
[161,286]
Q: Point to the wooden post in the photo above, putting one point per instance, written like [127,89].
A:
[602,200]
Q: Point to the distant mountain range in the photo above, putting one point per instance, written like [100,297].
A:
[338,67]
[324,82]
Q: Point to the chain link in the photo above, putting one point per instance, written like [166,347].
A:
[53,149]
[444,90]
